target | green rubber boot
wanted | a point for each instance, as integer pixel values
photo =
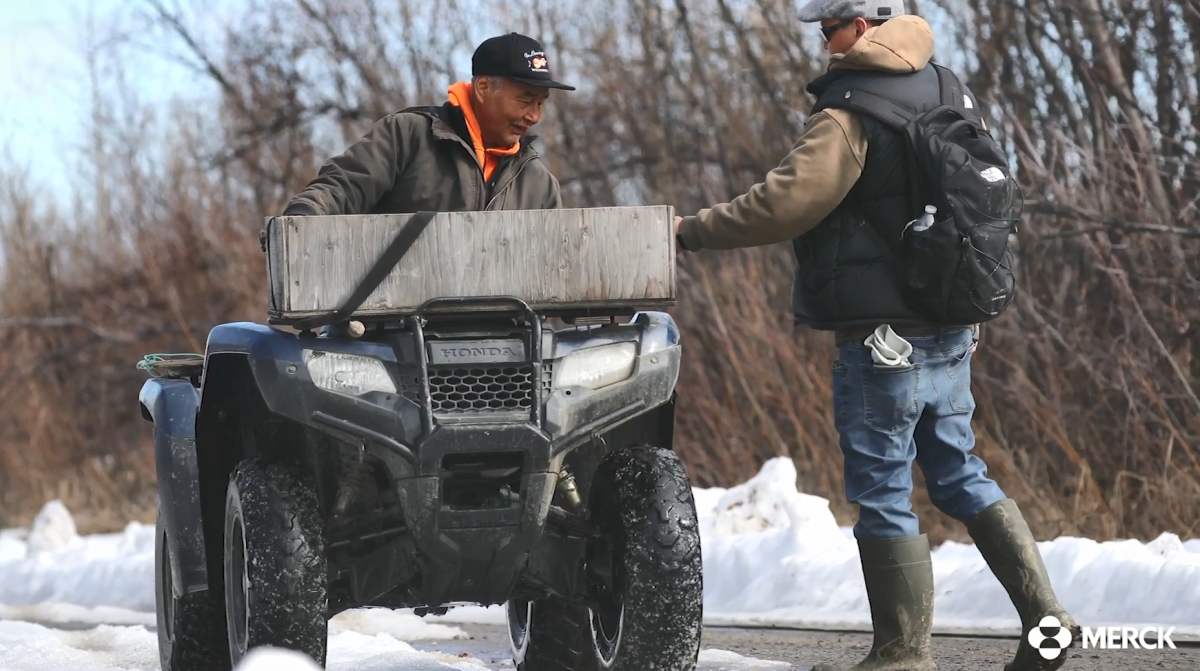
(1004, 540)
(899, 577)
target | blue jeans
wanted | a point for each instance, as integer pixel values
(888, 418)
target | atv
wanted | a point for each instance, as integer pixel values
(475, 452)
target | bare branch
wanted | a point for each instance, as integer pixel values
(66, 322)
(1107, 224)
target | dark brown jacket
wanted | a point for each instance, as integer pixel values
(421, 159)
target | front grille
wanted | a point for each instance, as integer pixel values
(547, 379)
(481, 390)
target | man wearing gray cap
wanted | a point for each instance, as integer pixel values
(844, 197)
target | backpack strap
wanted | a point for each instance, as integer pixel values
(951, 88)
(957, 96)
(950, 92)
(889, 113)
(846, 95)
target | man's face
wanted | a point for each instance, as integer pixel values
(506, 114)
(841, 34)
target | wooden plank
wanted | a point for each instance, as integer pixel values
(553, 259)
(276, 269)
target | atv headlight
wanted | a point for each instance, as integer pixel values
(348, 373)
(596, 367)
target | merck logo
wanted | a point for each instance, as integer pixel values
(1051, 639)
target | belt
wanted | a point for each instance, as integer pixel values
(860, 333)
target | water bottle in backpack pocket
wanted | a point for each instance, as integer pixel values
(925, 275)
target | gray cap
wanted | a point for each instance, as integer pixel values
(871, 10)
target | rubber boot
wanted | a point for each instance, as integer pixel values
(899, 577)
(1004, 540)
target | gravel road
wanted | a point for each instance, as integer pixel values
(803, 649)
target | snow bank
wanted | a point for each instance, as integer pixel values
(723, 660)
(401, 625)
(776, 557)
(67, 614)
(51, 563)
(27, 646)
(363, 654)
(773, 556)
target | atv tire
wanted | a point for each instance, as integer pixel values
(191, 628)
(275, 566)
(646, 571)
(549, 635)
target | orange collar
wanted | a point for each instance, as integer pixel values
(488, 158)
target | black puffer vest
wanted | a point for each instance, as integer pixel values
(846, 276)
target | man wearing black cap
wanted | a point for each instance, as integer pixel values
(472, 153)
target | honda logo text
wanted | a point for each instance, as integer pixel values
(477, 351)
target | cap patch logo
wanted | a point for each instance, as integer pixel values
(537, 61)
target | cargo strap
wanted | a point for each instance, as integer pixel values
(409, 232)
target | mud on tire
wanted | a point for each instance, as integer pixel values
(274, 559)
(646, 572)
(191, 628)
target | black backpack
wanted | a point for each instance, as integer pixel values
(960, 270)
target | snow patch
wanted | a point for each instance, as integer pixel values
(26, 646)
(471, 615)
(30, 647)
(53, 530)
(773, 556)
(767, 502)
(723, 660)
(401, 625)
(71, 615)
(12, 544)
(276, 659)
(50, 563)
(352, 651)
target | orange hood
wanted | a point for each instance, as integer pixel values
(460, 97)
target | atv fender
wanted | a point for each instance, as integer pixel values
(276, 363)
(171, 405)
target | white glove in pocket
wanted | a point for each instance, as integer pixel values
(888, 350)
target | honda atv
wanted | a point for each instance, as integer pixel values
(468, 454)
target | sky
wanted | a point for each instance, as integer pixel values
(44, 92)
(43, 89)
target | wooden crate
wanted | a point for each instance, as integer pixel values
(556, 260)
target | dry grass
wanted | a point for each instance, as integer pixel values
(1087, 389)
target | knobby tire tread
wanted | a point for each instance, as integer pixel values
(200, 642)
(645, 492)
(285, 557)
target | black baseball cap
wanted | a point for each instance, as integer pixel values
(516, 57)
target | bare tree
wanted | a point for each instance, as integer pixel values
(1088, 389)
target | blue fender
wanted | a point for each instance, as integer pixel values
(172, 405)
(254, 339)
(267, 343)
